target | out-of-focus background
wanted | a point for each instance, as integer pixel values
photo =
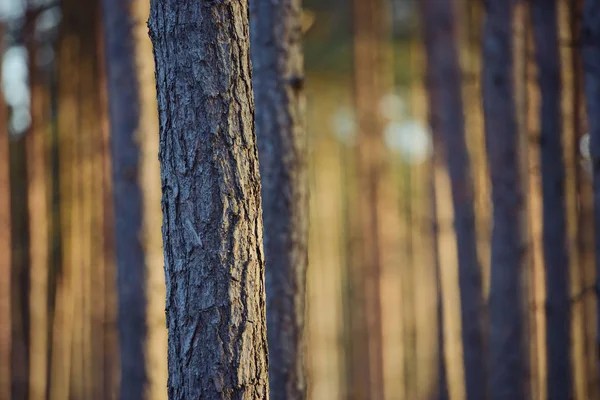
(58, 301)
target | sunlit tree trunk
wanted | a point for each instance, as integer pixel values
(507, 327)
(212, 231)
(278, 77)
(5, 246)
(444, 81)
(368, 90)
(558, 305)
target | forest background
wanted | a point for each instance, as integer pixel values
(383, 317)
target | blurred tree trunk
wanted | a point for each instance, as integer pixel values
(5, 245)
(507, 327)
(124, 106)
(78, 367)
(368, 91)
(20, 277)
(38, 226)
(107, 298)
(278, 79)
(446, 105)
(590, 47)
(584, 209)
(558, 304)
(441, 391)
(211, 202)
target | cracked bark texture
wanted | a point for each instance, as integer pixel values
(590, 48)
(446, 105)
(508, 362)
(212, 219)
(124, 105)
(278, 76)
(558, 303)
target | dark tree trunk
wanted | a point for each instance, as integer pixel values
(590, 47)
(212, 229)
(445, 103)
(558, 324)
(122, 82)
(508, 359)
(278, 75)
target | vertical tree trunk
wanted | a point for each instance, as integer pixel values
(441, 391)
(278, 76)
(558, 325)
(444, 81)
(212, 230)
(590, 47)
(368, 90)
(124, 105)
(507, 347)
(38, 228)
(5, 246)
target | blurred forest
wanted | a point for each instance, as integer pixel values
(422, 190)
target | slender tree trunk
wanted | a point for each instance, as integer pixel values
(368, 90)
(590, 47)
(5, 246)
(558, 325)
(444, 80)
(212, 230)
(38, 228)
(441, 392)
(507, 346)
(278, 77)
(124, 107)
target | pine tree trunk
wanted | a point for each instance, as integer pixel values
(369, 39)
(444, 81)
(590, 47)
(5, 246)
(212, 230)
(508, 359)
(558, 325)
(278, 76)
(124, 110)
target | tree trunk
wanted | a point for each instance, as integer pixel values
(507, 346)
(211, 204)
(278, 74)
(124, 109)
(444, 81)
(5, 246)
(368, 91)
(590, 47)
(558, 325)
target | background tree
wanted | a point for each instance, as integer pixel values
(211, 204)
(558, 303)
(508, 366)
(446, 105)
(124, 107)
(278, 79)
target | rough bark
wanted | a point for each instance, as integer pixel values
(558, 326)
(278, 77)
(212, 231)
(590, 48)
(368, 27)
(445, 101)
(124, 104)
(507, 347)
